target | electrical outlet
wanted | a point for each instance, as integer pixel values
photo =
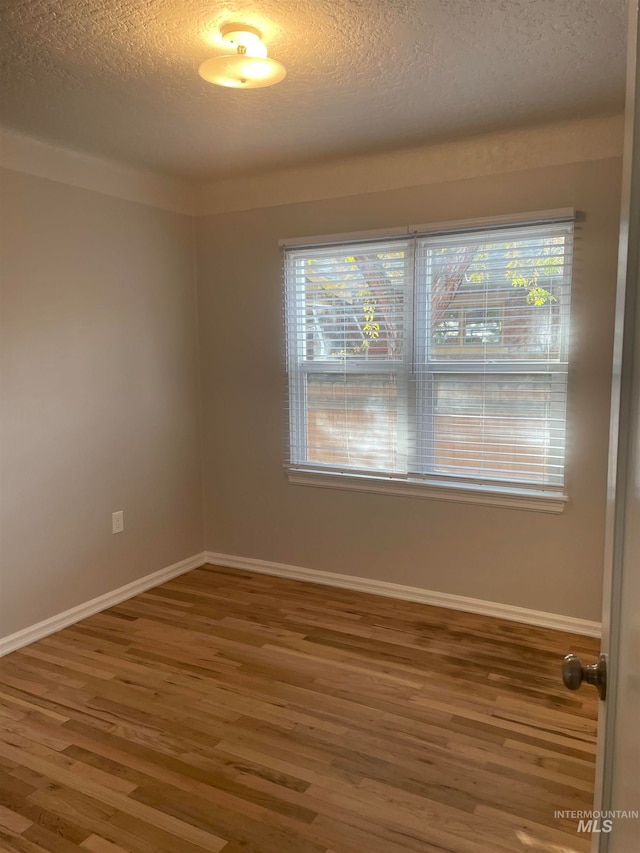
(117, 521)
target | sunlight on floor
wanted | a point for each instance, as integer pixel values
(538, 844)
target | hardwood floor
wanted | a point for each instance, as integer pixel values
(244, 713)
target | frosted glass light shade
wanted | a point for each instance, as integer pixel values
(240, 71)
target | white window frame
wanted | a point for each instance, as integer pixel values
(427, 485)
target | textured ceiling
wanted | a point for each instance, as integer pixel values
(118, 78)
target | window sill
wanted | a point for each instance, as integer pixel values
(524, 499)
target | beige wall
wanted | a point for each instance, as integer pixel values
(99, 397)
(522, 558)
(98, 357)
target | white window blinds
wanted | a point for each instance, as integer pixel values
(439, 357)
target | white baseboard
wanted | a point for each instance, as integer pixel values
(539, 618)
(68, 617)
(385, 588)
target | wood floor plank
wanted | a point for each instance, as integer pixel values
(96, 844)
(225, 711)
(13, 821)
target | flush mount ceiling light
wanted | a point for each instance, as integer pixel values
(249, 67)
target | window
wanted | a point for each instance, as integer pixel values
(432, 358)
